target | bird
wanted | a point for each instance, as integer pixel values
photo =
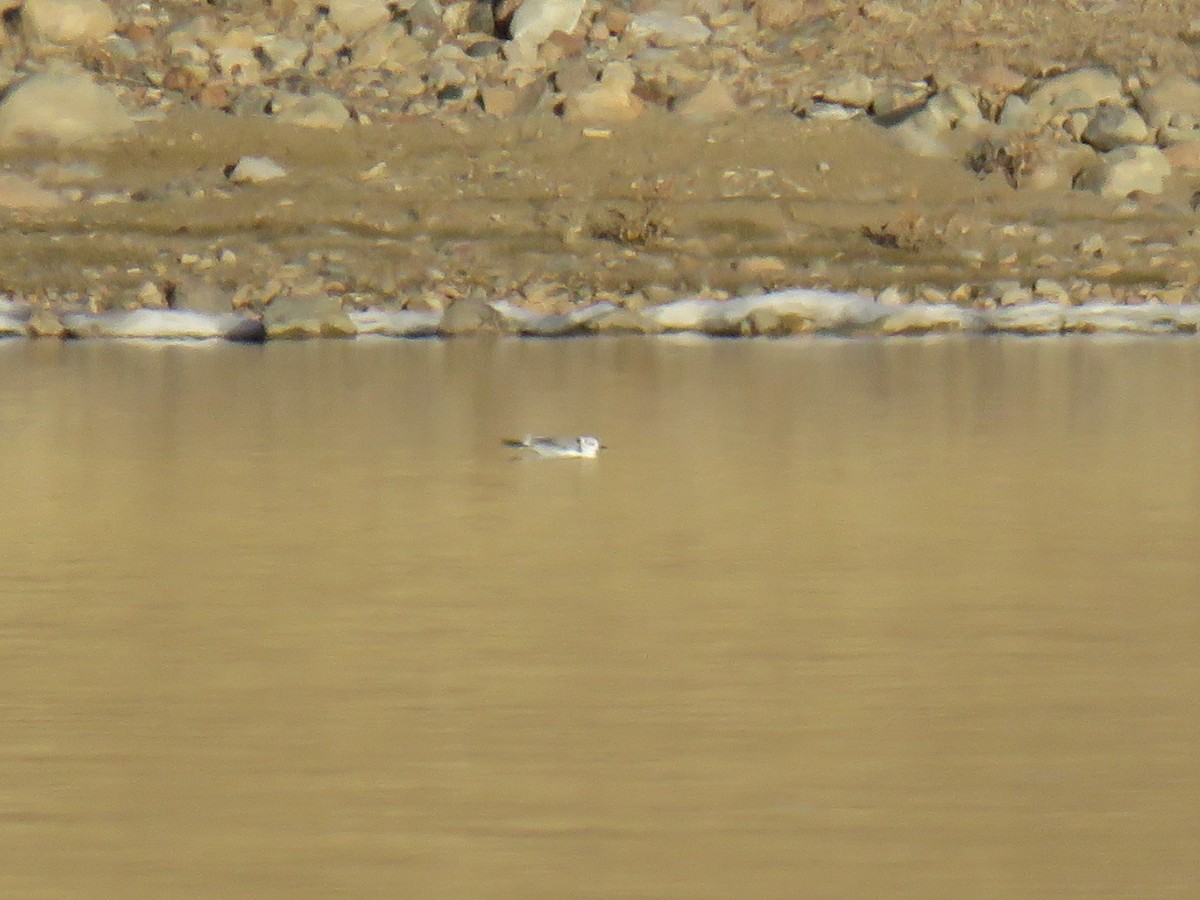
(585, 446)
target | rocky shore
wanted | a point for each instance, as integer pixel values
(297, 168)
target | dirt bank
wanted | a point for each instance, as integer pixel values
(420, 213)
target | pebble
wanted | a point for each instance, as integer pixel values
(712, 103)
(44, 322)
(255, 170)
(766, 323)
(1092, 245)
(1013, 294)
(282, 54)
(353, 17)
(1051, 290)
(535, 20)
(151, 295)
(760, 267)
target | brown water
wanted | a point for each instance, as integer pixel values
(829, 619)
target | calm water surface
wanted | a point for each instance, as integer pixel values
(829, 619)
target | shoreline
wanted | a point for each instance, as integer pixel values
(782, 314)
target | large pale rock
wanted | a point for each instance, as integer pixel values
(713, 103)
(1127, 169)
(1181, 128)
(307, 317)
(1112, 126)
(953, 107)
(894, 101)
(68, 22)
(1054, 166)
(1081, 89)
(1016, 116)
(925, 132)
(611, 100)
(1184, 157)
(390, 48)
(536, 20)
(64, 108)
(353, 17)
(469, 317)
(505, 101)
(996, 82)
(1173, 96)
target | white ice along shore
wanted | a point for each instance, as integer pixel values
(778, 314)
(805, 311)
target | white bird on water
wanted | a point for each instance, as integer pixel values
(586, 446)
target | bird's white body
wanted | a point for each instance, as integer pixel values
(583, 447)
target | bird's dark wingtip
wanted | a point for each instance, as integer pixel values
(512, 442)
